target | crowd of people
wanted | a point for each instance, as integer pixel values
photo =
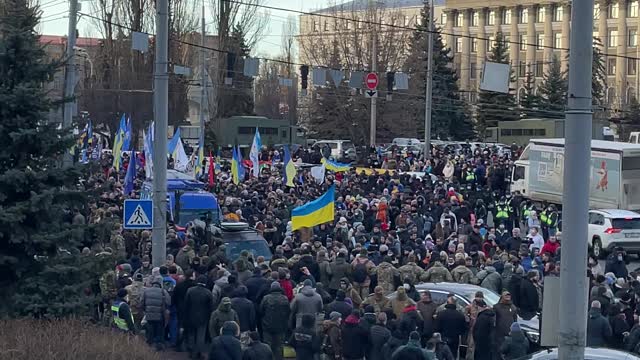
(347, 289)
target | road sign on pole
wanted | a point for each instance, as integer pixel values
(371, 93)
(138, 214)
(372, 81)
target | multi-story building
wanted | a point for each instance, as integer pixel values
(538, 30)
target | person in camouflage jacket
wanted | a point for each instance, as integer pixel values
(437, 273)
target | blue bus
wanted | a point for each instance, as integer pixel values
(187, 199)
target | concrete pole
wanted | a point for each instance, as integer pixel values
(160, 110)
(70, 75)
(573, 279)
(429, 86)
(374, 100)
(203, 89)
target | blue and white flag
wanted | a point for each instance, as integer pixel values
(255, 152)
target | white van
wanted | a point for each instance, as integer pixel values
(341, 150)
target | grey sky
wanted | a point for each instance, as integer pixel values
(55, 20)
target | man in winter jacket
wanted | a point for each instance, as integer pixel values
(306, 261)
(427, 309)
(437, 273)
(483, 332)
(257, 286)
(332, 336)
(413, 350)
(245, 309)
(461, 274)
(307, 301)
(401, 302)
(198, 305)
(274, 311)
(339, 305)
(506, 314)
(516, 345)
(304, 339)
(451, 324)
(379, 302)
(226, 346)
(155, 302)
(379, 334)
(355, 338)
(598, 328)
(388, 276)
(361, 269)
(350, 292)
(219, 317)
(340, 269)
(528, 297)
(257, 350)
(490, 279)
(411, 270)
(616, 264)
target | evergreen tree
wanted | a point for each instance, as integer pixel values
(530, 101)
(599, 73)
(450, 117)
(553, 91)
(39, 277)
(493, 106)
(237, 99)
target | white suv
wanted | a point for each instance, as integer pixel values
(609, 228)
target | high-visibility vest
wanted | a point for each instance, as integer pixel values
(502, 212)
(543, 217)
(552, 220)
(120, 323)
(470, 176)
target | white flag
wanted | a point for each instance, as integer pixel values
(318, 173)
(255, 152)
(180, 157)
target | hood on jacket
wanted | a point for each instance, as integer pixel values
(222, 281)
(384, 265)
(240, 292)
(352, 320)
(490, 269)
(402, 294)
(225, 305)
(307, 291)
(594, 313)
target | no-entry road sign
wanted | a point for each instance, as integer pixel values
(372, 81)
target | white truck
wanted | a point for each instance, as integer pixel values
(615, 173)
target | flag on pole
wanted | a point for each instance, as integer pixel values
(234, 167)
(316, 212)
(317, 172)
(171, 146)
(130, 178)
(241, 172)
(180, 158)
(197, 168)
(212, 171)
(126, 143)
(148, 151)
(255, 152)
(118, 143)
(289, 168)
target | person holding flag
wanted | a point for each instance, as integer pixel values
(289, 168)
(254, 155)
(234, 167)
(130, 177)
(118, 144)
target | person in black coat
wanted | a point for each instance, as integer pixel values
(378, 336)
(451, 324)
(528, 296)
(306, 261)
(355, 338)
(257, 285)
(227, 346)
(339, 305)
(395, 341)
(484, 332)
(257, 350)
(198, 305)
(515, 283)
(305, 340)
(616, 264)
(178, 298)
(245, 309)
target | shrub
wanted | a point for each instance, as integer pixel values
(29, 339)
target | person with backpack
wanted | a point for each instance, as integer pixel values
(362, 267)
(332, 336)
(304, 339)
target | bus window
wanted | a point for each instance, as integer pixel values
(518, 173)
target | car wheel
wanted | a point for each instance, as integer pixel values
(596, 248)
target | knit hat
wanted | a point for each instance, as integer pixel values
(307, 283)
(276, 286)
(122, 293)
(515, 327)
(335, 315)
(226, 300)
(139, 277)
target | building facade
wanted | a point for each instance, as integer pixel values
(538, 30)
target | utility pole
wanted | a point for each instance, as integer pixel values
(573, 280)
(70, 75)
(160, 110)
(374, 100)
(429, 87)
(203, 88)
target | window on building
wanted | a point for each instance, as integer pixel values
(557, 40)
(522, 69)
(524, 16)
(540, 41)
(473, 72)
(522, 40)
(475, 19)
(326, 25)
(596, 11)
(443, 18)
(633, 37)
(611, 66)
(539, 68)
(613, 11)
(474, 45)
(458, 44)
(316, 25)
(459, 19)
(632, 8)
(347, 24)
(492, 17)
(541, 14)
(558, 13)
(506, 17)
(632, 66)
(612, 38)
(492, 42)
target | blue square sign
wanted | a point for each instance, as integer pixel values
(138, 214)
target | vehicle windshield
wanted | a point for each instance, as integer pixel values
(256, 247)
(192, 214)
(626, 224)
(490, 297)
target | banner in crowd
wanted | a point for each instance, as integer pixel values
(316, 212)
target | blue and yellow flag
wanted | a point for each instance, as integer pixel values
(234, 167)
(240, 161)
(197, 168)
(289, 169)
(319, 211)
(118, 143)
(335, 166)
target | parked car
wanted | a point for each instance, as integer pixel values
(341, 150)
(589, 354)
(239, 236)
(464, 295)
(609, 228)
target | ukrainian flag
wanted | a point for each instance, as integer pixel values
(289, 168)
(335, 166)
(198, 170)
(234, 167)
(118, 143)
(319, 211)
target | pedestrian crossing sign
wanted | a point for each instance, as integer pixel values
(138, 214)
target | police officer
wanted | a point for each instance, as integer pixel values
(121, 313)
(525, 210)
(502, 212)
(549, 221)
(469, 175)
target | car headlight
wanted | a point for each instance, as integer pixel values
(533, 336)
